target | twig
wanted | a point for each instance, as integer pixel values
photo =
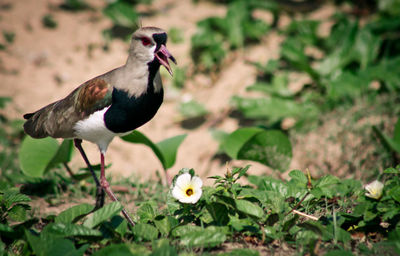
(299, 203)
(305, 215)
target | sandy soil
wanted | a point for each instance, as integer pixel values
(44, 65)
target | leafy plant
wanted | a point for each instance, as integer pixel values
(9, 36)
(354, 58)
(179, 79)
(215, 35)
(13, 206)
(49, 22)
(192, 109)
(124, 18)
(175, 35)
(269, 147)
(37, 156)
(165, 150)
(392, 144)
(75, 5)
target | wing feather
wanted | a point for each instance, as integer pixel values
(59, 118)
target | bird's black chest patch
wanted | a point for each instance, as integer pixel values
(128, 113)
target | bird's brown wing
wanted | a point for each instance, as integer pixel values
(59, 118)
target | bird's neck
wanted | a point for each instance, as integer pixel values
(135, 78)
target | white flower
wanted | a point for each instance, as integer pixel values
(374, 189)
(187, 189)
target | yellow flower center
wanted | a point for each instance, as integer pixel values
(189, 191)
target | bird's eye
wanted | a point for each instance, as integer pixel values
(145, 41)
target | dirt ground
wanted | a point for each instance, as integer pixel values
(44, 65)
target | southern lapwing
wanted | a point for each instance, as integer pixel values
(109, 105)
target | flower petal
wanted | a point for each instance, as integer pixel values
(183, 180)
(178, 193)
(197, 182)
(374, 189)
(196, 196)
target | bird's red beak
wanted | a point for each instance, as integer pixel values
(163, 55)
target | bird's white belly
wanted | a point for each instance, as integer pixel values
(93, 129)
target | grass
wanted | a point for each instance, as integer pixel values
(260, 214)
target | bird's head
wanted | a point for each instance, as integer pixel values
(148, 46)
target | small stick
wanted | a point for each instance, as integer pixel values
(305, 215)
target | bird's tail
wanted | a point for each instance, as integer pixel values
(33, 126)
(38, 124)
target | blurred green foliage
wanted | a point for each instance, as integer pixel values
(215, 36)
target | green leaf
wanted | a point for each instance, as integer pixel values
(278, 87)
(9, 36)
(73, 213)
(339, 253)
(236, 15)
(179, 79)
(305, 31)
(185, 230)
(169, 148)
(273, 108)
(4, 101)
(115, 249)
(103, 214)
(391, 7)
(395, 193)
(147, 212)
(176, 35)
(75, 5)
(269, 147)
(36, 154)
(326, 186)
(249, 208)
(163, 248)
(388, 142)
(64, 153)
(366, 47)
(48, 21)
(387, 70)
(13, 196)
(18, 212)
(122, 14)
(396, 133)
(347, 85)
(69, 230)
(219, 213)
(140, 138)
(298, 176)
(165, 150)
(145, 231)
(344, 40)
(234, 142)
(192, 109)
(5, 229)
(392, 170)
(293, 51)
(208, 237)
(165, 224)
(51, 245)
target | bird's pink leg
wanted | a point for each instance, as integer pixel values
(106, 186)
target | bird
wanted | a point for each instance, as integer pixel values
(109, 105)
